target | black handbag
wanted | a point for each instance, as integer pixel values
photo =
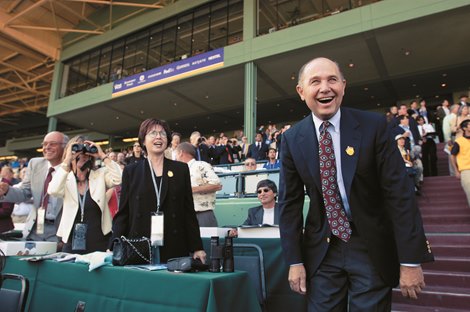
(186, 264)
(132, 251)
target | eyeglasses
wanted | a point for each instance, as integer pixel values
(153, 134)
(136, 145)
(250, 164)
(265, 190)
(51, 144)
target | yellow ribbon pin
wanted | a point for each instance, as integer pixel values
(170, 173)
(350, 150)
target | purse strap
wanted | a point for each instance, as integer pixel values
(130, 241)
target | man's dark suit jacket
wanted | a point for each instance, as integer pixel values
(255, 215)
(381, 197)
(413, 127)
(260, 154)
(138, 201)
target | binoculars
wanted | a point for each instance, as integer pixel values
(221, 255)
(85, 148)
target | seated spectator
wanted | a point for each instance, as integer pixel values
(249, 164)
(268, 211)
(272, 163)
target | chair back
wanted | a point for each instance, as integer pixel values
(252, 262)
(14, 300)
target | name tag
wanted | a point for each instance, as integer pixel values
(157, 225)
(40, 220)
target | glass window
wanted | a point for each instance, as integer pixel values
(184, 36)
(155, 47)
(235, 21)
(93, 69)
(219, 25)
(168, 42)
(104, 66)
(201, 30)
(72, 86)
(83, 73)
(117, 60)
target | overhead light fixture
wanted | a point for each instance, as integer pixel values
(444, 85)
(102, 142)
(128, 140)
(366, 89)
(351, 65)
(407, 52)
(117, 117)
(292, 76)
(444, 75)
(413, 85)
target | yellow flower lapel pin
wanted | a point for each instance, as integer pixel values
(350, 150)
(170, 173)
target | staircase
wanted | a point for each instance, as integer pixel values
(446, 218)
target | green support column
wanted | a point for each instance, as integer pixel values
(250, 100)
(52, 124)
(249, 19)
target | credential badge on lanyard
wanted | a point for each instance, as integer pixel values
(157, 224)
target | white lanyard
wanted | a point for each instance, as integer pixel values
(157, 189)
(81, 201)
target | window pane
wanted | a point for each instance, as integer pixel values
(184, 36)
(168, 46)
(83, 73)
(155, 41)
(201, 30)
(235, 21)
(105, 64)
(116, 60)
(219, 31)
(93, 69)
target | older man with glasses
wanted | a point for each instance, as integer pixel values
(42, 221)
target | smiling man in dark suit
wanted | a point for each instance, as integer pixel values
(363, 232)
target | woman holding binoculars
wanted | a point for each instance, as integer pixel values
(86, 221)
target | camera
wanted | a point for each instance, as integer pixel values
(84, 148)
(222, 254)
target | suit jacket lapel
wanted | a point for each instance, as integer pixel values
(308, 144)
(259, 215)
(350, 145)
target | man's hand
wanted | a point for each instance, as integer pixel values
(411, 281)
(3, 188)
(297, 279)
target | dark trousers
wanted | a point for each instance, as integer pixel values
(429, 158)
(347, 281)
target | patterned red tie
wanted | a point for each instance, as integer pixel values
(335, 213)
(45, 200)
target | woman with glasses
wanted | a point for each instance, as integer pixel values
(157, 187)
(86, 222)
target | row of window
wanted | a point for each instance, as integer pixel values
(211, 26)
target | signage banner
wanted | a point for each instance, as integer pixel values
(164, 74)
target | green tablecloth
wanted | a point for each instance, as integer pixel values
(59, 286)
(280, 297)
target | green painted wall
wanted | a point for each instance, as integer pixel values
(380, 14)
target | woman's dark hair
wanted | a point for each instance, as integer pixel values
(148, 124)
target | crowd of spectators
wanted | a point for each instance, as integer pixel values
(415, 128)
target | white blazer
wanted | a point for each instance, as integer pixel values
(64, 185)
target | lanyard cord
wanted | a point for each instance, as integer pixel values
(157, 188)
(81, 201)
